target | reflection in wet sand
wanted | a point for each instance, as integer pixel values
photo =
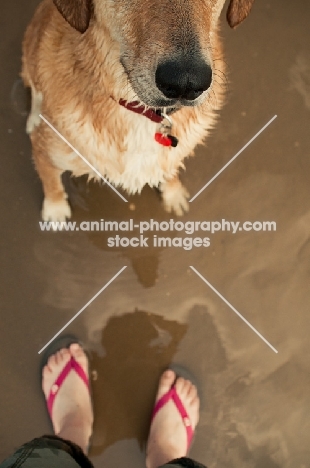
(138, 346)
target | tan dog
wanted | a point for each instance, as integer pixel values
(94, 65)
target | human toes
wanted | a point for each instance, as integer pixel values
(58, 359)
(165, 383)
(183, 387)
(79, 355)
(187, 392)
(51, 370)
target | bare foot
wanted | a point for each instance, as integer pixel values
(72, 414)
(168, 437)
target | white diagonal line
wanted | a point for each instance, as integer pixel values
(235, 310)
(83, 308)
(232, 159)
(82, 157)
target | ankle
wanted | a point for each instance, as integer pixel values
(158, 456)
(77, 437)
(77, 432)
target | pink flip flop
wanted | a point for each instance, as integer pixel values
(172, 395)
(71, 365)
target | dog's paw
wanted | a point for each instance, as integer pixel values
(55, 211)
(33, 121)
(175, 198)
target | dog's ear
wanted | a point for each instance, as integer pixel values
(237, 11)
(76, 12)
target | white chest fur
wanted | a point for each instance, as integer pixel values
(129, 156)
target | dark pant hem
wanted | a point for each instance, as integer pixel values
(71, 448)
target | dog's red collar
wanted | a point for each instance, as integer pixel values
(162, 136)
(134, 106)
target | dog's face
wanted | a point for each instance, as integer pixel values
(167, 47)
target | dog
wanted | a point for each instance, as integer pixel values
(132, 85)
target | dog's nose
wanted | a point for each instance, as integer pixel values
(183, 80)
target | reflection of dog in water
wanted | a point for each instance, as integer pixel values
(131, 85)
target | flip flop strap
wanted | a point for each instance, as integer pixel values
(71, 365)
(172, 395)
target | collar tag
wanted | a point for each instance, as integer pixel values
(163, 134)
(164, 122)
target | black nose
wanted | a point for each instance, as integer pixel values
(184, 79)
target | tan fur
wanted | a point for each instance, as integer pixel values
(79, 78)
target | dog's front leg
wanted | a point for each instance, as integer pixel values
(174, 196)
(55, 204)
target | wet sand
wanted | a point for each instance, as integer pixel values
(255, 403)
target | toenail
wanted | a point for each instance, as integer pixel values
(54, 389)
